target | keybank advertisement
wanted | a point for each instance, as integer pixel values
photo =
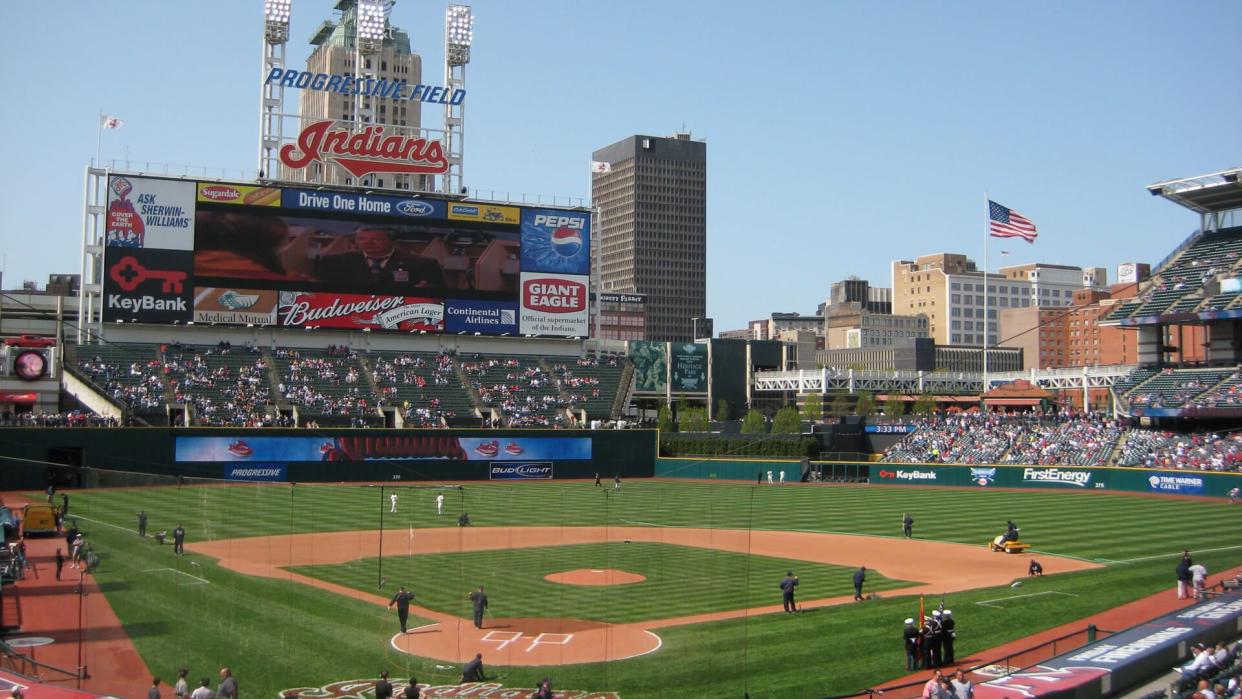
(142, 285)
(556, 241)
(254, 450)
(527, 449)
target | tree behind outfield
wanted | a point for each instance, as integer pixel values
(694, 420)
(865, 405)
(894, 406)
(924, 405)
(665, 419)
(787, 421)
(722, 410)
(813, 407)
(754, 423)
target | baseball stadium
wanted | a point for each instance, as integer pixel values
(342, 429)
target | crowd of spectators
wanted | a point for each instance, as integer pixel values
(327, 385)
(234, 394)
(1203, 452)
(139, 388)
(73, 418)
(961, 438)
(525, 395)
(1074, 439)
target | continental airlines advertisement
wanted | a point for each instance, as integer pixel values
(245, 254)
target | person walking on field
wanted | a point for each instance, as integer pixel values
(907, 525)
(227, 689)
(142, 523)
(60, 563)
(782, 475)
(860, 577)
(393, 499)
(478, 598)
(616, 482)
(787, 592)
(402, 599)
(769, 477)
(179, 540)
(440, 504)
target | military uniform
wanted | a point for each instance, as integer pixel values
(911, 637)
(947, 625)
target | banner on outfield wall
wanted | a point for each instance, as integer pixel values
(1131, 480)
(265, 450)
(256, 472)
(527, 471)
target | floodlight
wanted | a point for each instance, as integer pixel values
(277, 10)
(459, 22)
(372, 20)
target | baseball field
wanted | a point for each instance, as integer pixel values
(663, 588)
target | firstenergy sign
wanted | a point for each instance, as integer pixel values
(1056, 476)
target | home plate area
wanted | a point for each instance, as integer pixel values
(529, 641)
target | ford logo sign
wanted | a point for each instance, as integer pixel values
(414, 207)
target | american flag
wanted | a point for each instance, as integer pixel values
(1007, 223)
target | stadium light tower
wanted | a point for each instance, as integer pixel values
(458, 36)
(272, 96)
(370, 30)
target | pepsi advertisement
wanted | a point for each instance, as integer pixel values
(556, 241)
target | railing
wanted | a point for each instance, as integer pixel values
(999, 666)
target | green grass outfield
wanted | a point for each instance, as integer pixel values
(278, 634)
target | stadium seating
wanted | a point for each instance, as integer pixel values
(330, 386)
(1172, 389)
(131, 375)
(1180, 286)
(1076, 440)
(520, 389)
(424, 385)
(223, 386)
(1205, 452)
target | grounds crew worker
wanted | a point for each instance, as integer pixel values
(479, 599)
(947, 625)
(911, 636)
(787, 592)
(907, 525)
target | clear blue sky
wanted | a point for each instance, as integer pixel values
(841, 135)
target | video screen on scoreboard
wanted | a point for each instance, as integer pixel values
(224, 253)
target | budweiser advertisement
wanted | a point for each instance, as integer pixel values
(235, 306)
(554, 304)
(358, 312)
(365, 152)
(150, 213)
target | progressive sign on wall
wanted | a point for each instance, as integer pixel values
(554, 304)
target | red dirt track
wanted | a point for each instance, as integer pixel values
(938, 566)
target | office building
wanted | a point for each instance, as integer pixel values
(651, 237)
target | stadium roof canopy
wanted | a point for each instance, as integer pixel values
(1204, 194)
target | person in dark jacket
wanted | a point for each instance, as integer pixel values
(947, 636)
(787, 592)
(383, 688)
(473, 671)
(478, 599)
(1184, 576)
(907, 525)
(402, 599)
(860, 577)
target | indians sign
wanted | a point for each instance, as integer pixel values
(364, 152)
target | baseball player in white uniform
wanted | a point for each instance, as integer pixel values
(440, 504)
(393, 499)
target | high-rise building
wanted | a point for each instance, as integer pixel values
(950, 290)
(334, 54)
(651, 235)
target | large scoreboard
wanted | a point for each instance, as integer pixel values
(178, 251)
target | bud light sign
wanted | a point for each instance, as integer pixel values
(530, 470)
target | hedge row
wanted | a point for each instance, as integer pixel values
(787, 445)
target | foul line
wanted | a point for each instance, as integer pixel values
(1171, 555)
(99, 521)
(201, 581)
(988, 602)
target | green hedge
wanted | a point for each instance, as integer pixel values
(753, 445)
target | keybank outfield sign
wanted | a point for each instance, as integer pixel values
(1134, 480)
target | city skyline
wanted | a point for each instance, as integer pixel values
(1065, 120)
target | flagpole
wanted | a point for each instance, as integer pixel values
(986, 320)
(98, 136)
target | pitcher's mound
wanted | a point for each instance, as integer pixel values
(595, 577)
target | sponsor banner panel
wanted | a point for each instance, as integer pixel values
(243, 194)
(261, 450)
(556, 241)
(1175, 483)
(366, 204)
(487, 213)
(1053, 476)
(356, 311)
(896, 473)
(523, 471)
(554, 304)
(256, 472)
(487, 317)
(689, 367)
(147, 213)
(235, 306)
(527, 448)
(148, 286)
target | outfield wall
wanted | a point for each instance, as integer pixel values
(726, 469)
(324, 455)
(1110, 478)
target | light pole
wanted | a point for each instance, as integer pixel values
(272, 94)
(370, 30)
(458, 36)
